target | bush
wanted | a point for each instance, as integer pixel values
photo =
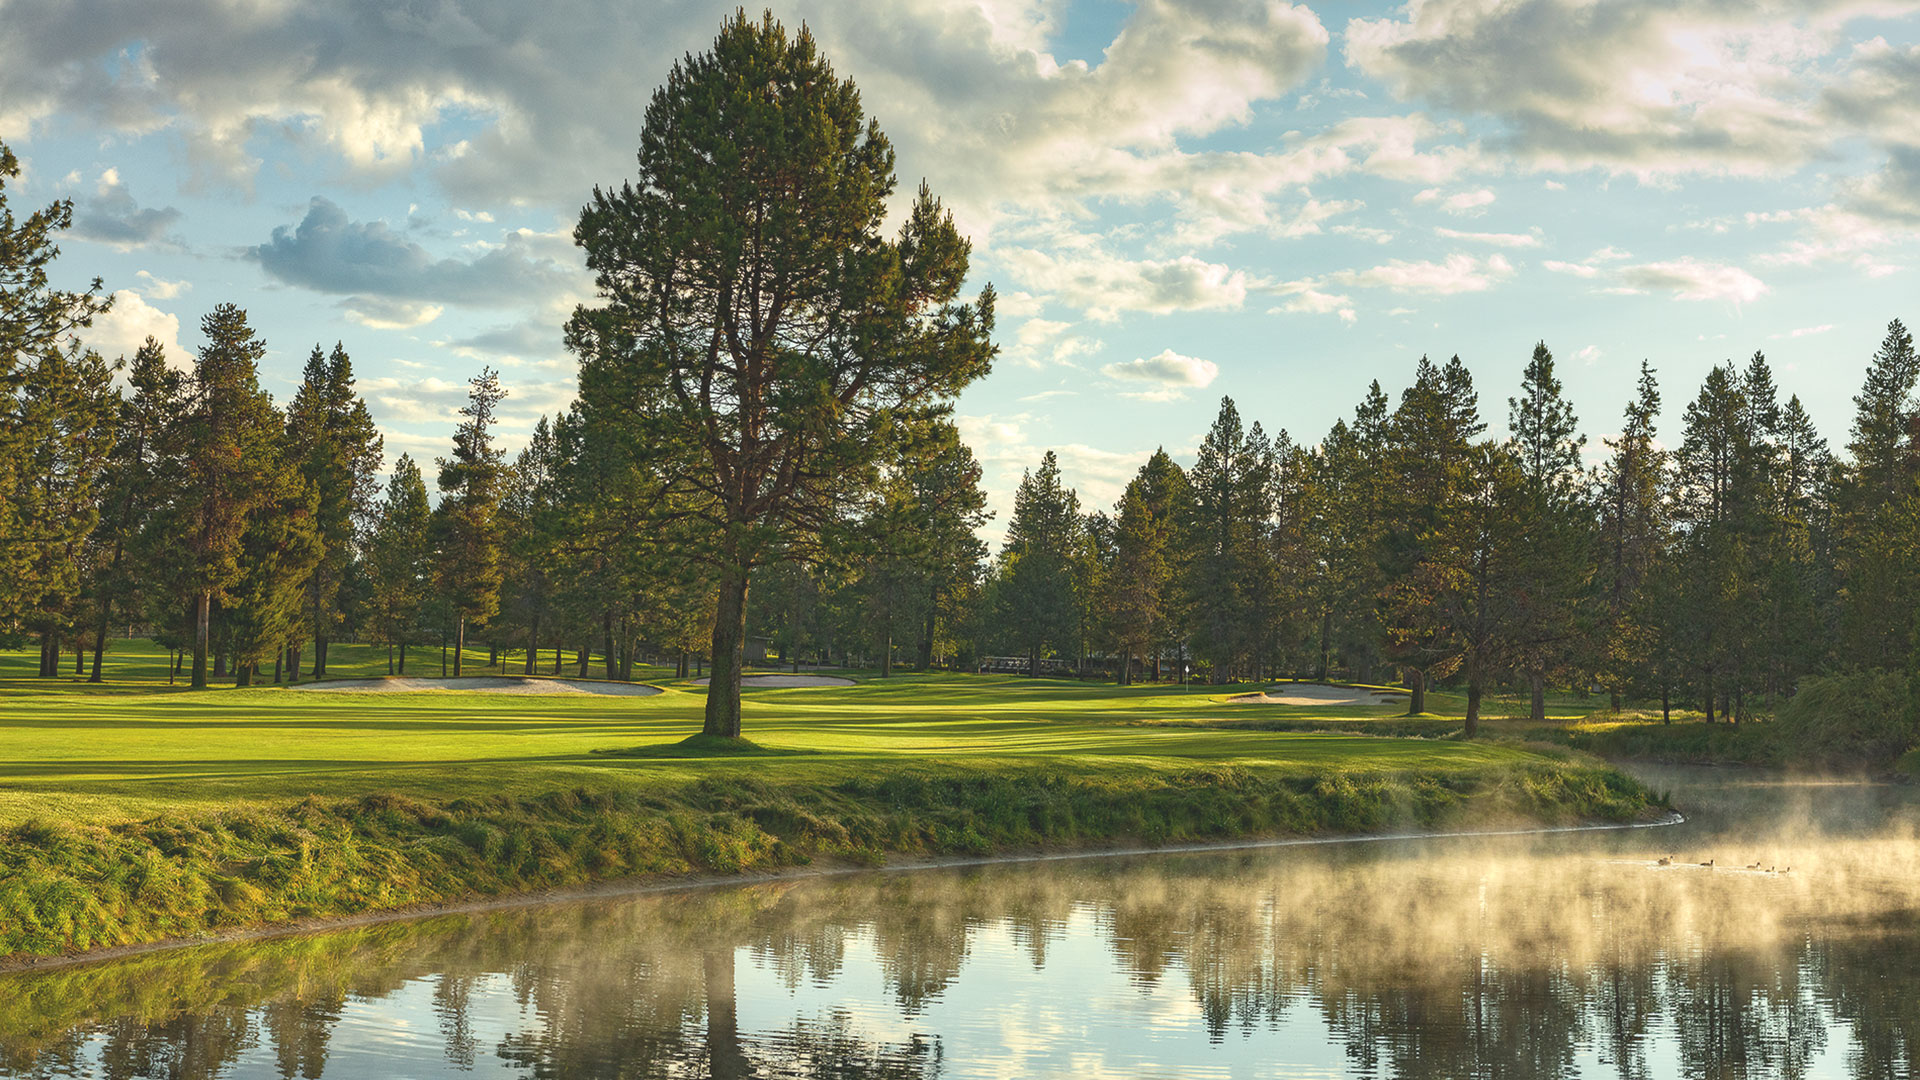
(1851, 721)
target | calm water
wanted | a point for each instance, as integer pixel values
(1570, 955)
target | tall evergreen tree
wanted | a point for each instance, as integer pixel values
(467, 526)
(1040, 571)
(1877, 499)
(771, 341)
(219, 456)
(36, 325)
(132, 487)
(400, 560)
(333, 444)
(1546, 620)
(1429, 456)
(1633, 538)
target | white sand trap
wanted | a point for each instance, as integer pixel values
(1311, 694)
(788, 681)
(480, 684)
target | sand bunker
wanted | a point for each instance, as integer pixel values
(480, 684)
(790, 681)
(1310, 694)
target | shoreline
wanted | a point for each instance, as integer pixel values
(646, 885)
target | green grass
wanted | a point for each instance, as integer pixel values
(133, 812)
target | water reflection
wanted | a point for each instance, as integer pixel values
(1564, 956)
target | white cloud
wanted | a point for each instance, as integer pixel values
(160, 288)
(1167, 367)
(1692, 279)
(1589, 354)
(1576, 269)
(1457, 274)
(381, 313)
(1104, 284)
(1512, 240)
(127, 325)
(1460, 202)
(1804, 331)
(1631, 87)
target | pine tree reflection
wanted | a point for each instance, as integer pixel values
(1419, 961)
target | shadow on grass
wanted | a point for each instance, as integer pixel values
(704, 746)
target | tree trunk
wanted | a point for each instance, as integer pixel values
(1033, 662)
(533, 645)
(726, 1058)
(1666, 704)
(79, 659)
(926, 643)
(99, 644)
(585, 659)
(459, 644)
(1474, 692)
(243, 673)
(606, 639)
(558, 658)
(403, 656)
(202, 617)
(1126, 666)
(493, 654)
(886, 657)
(320, 654)
(1613, 699)
(279, 664)
(389, 657)
(1416, 681)
(293, 662)
(729, 643)
(626, 651)
(443, 654)
(1326, 645)
(1709, 697)
(1538, 683)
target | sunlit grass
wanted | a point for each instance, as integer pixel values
(84, 752)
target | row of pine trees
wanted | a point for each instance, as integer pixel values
(1714, 568)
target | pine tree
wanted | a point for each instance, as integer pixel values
(219, 456)
(772, 343)
(131, 487)
(1036, 595)
(1876, 499)
(332, 442)
(41, 375)
(1633, 539)
(1229, 570)
(467, 527)
(1429, 457)
(400, 560)
(1545, 623)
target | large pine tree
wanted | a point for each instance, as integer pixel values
(770, 342)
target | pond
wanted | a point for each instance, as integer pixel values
(1566, 955)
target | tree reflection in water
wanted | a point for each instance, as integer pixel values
(1413, 960)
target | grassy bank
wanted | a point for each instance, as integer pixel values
(130, 814)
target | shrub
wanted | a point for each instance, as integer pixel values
(1859, 720)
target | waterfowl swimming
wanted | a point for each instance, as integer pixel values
(1665, 860)
(1708, 864)
(1753, 866)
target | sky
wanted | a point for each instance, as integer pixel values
(1176, 201)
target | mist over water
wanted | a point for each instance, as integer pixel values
(1572, 955)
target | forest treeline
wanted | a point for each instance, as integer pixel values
(1713, 567)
